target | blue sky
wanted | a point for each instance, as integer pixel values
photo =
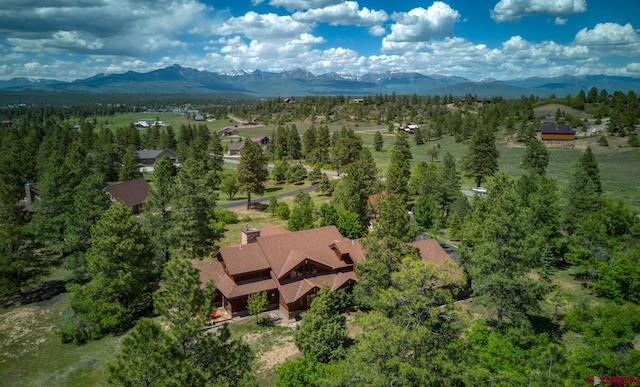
(501, 39)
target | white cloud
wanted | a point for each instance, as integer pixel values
(346, 13)
(560, 21)
(420, 25)
(300, 5)
(117, 27)
(261, 26)
(608, 34)
(377, 30)
(514, 10)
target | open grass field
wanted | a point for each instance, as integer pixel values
(32, 355)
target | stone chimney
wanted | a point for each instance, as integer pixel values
(249, 235)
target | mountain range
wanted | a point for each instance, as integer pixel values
(298, 82)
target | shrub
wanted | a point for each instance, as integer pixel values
(225, 216)
(602, 141)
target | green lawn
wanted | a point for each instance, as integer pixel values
(32, 355)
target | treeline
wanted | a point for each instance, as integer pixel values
(512, 242)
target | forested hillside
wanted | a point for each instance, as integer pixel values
(552, 249)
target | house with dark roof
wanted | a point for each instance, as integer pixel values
(132, 193)
(555, 132)
(291, 267)
(227, 131)
(234, 148)
(152, 156)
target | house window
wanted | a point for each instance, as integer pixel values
(304, 269)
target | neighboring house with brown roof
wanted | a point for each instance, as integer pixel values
(289, 266)
(432, 252)
(234, 148)
(132, 193)
(292, 266)
(227, 131)
(152, 156)
(555, 132)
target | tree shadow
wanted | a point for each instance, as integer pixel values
(273, 189)
(544, 324)
(46, 291)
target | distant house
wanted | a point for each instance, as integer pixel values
(262, 140)
(292, 266)
(141, 124)
(357, 100)
(29, 196)
(555, 132)
(152, 156)
(234, 148)
(132, 193)
(227, 131)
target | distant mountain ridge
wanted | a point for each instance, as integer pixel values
(296, 82)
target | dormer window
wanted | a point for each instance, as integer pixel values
(303, 270)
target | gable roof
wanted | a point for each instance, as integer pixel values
(236, 262)
(556, 129)
(131, 193)
(235, 145)
(431, 251)
(286, 251)
(153, 153)
(213, 270)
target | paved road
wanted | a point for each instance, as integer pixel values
(329, 172)
(264, 199)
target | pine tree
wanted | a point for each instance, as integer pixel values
(501, 250)
(400, 167)
(588, 163)
(195, 230)
(322, 332)
(536, 157)
(324, 185)
(393, 219)
(122, 275)
(378, 142)
(482, 159)
(252, 170)
(301, 217)
(158, 212)
(129, 169)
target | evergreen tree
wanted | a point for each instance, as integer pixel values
(293, 143)
(309, 143)
(588, 163)
(424, 212)
(322, 332)
(89, 203)
(195, 228)
(315, 174)
(378, 142)
(450, 188)
(18, 259)
(400, 167)
(393, 220)
(536, 157)
(129, 169)
(252, 170)
(322, 144)
(194, 356)
(148, 357)
(158, 212)
(482, 159)
(501, 251)
(122, 275)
